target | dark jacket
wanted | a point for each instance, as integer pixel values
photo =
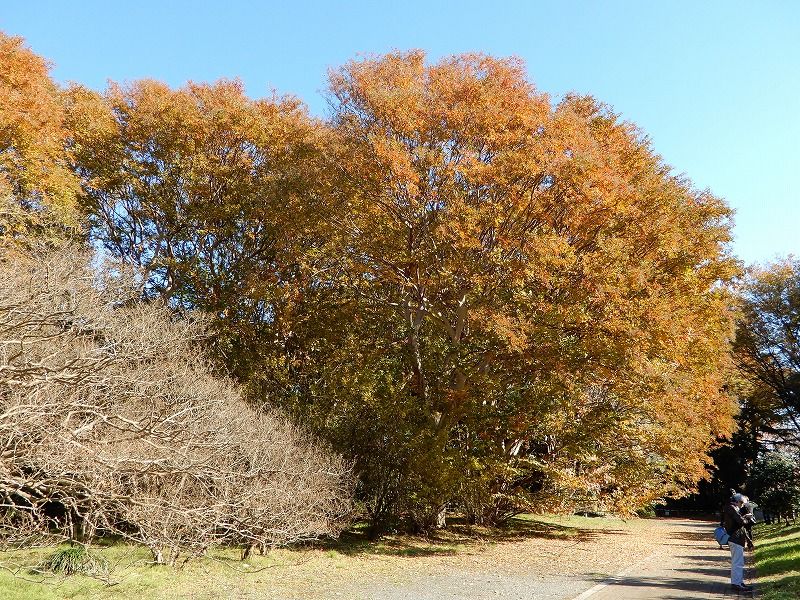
(734, 524)
(749, 520)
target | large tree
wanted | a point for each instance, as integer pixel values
(487, 300)
(550, 290)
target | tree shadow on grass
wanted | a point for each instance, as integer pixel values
(785, 588)
(530, 526)
(770, 551)
(778, 558)
(781, 530)
(459, 536)
(777, 566)
(521, 528)
(355, 542)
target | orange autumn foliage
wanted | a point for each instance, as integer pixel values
(206, 191)
(37, 188)
(560, 287)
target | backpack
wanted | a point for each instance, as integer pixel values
(721, 535)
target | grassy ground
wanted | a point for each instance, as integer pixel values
(778, 561)
(312, 571)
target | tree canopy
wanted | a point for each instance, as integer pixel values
(554, 291)
(37, 188)
(768, 347)
(208, 193)
(489, 301)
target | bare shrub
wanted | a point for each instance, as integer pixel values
(111, 422)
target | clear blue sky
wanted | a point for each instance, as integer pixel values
(715, 84)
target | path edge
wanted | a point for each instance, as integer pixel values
(613, 578)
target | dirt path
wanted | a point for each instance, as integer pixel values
(659, 559)
(688, 566)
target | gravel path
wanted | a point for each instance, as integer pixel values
(485, 586)
(534, 559)
(661, 559)
(690, 565)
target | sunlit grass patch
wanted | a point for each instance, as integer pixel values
(778, 561)
(575, 523)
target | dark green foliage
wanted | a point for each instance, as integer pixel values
(774, 482)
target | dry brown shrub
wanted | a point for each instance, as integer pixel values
(111, 422)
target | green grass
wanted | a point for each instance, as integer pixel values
(575, 522)
(131, 575)
(75, 560)
(778, 561)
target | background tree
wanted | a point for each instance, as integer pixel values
(768, 346)
(766, 354)
(208, 193)
(774, 483)
(37, 188)
(733, 458)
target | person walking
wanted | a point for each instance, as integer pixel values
(734, 524)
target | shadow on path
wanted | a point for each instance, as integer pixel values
(459, 535)
(677, 588)
(687, 566)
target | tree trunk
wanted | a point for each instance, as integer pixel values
(441, 518)
(247, 551)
